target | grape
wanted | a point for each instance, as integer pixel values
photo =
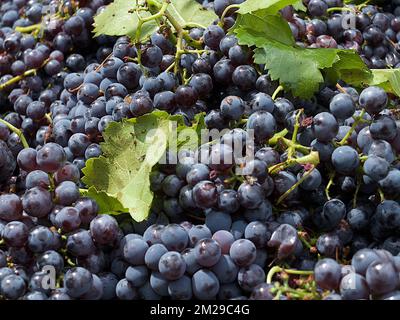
(207, 252)
(213, 36)
(381, 277)
(224, 239)
(12, 286)
(15, 234)
(205, 194)
(205, 284)
(216, 220)
(171, 265)
(376, 168)
(159, 284)
(250, 195)
(257, 233)
(134, 251)
(225, 270)
(345, 159)
(68, 219)
(223, 71)
(175, 237)
(40, 239)
(51, 157)
(197, 173)
(66, 193)
(10, 207)
(77, 281)
(197, 233)
(126, 291)
(153, 233)
(325, 127)
(250, 276)
(104, 229)
(342, 106)
(263, 124)
(243, 252)
(153, 255)
(232, 107)
(328, 244)
(383, 127)
(80, 243)
(285, 238)
(180, 289)
(151, 56)
(327, 274)
(373, 99)
(137, 275)
(354, 287)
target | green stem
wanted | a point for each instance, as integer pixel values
(292, 188)
(232, 6)
(328, 186)
(353, 127)
(294, 135)
(277, 269)
(272, 272)
(48, 117)
(312, 158)
(281, 134)
(17, 131)
(157, 15)
(17, 78)
(83, 191)
(277, 90)
(381, 194)
(339, 9)
(28, 29)
(179, 51)
(170, 67)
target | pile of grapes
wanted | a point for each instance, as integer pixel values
(307, 208)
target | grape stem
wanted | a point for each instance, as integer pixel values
(328, 186)
(340, 88)
(17, 131)
(28, 29)
(339, 9)
(311, 158)
(294, 135)
(293, 187)
(278, 269)
(27, 73)
(225, 12)
(353, 127)
(277, 90)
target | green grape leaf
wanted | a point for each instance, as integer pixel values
(388, 79)
(190, 12)
(349, 68)
(119, 18)
(256, 28)
(297, 69)
(107, 204)
(299, 6)
(120, 178)
(271, 6)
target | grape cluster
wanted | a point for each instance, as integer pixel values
(314, 182)
(370, 32)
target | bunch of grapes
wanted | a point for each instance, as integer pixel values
(308, 184)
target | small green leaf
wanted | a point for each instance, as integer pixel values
(271, 6)
(388, 79)
(297, 69)
(119, 18)
(256, 28)
(189, 12)
(120, 178)
(349, 68)
(299, 6)
(107, 204)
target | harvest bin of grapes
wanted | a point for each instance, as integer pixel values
(199, 150)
